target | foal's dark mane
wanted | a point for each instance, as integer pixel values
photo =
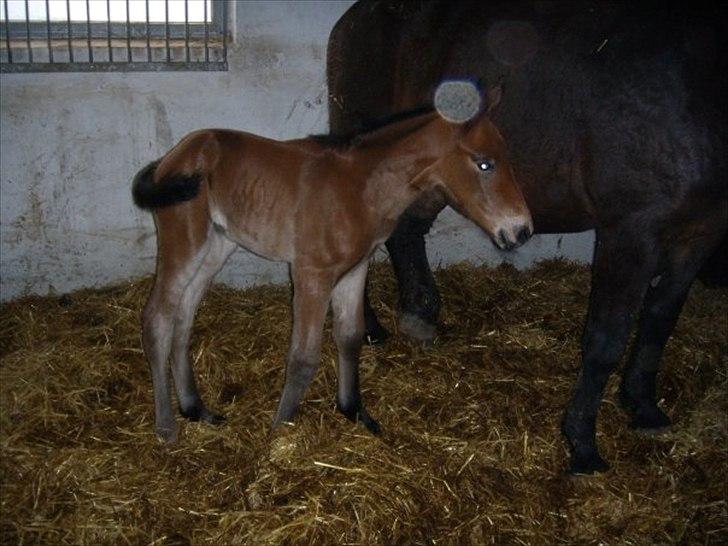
(390, 127)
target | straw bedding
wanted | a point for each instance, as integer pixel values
(470, 452)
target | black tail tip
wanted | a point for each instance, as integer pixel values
(172, 189)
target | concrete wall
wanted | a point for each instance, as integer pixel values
(69, 144)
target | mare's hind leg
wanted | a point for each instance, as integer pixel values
(178, 262)
(311, 294)
(190, 403)
(624, 263)
(662, 306)
(347, 304)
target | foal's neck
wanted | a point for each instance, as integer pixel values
(398, 163)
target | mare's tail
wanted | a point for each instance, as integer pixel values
(172, 189)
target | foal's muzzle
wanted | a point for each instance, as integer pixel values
(508, 239)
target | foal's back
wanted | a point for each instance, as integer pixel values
(266, 194)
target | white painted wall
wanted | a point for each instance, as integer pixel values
(70, 143)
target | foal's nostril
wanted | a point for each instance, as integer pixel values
(500, 238)
(503, 241)
(523, 235)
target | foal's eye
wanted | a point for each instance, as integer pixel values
(485, 165)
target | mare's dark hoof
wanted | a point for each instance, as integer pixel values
(653, 421)
(362, 416)
(417, 328)
(202, 414)
(587, 463)
(376, 335)
(646, 417)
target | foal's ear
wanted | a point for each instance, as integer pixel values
(493, 97)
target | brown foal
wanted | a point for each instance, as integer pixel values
(322, 209)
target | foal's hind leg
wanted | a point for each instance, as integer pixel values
(660, 313)
(178, 262)
(311, 295)
(347, 304)
(190, 403)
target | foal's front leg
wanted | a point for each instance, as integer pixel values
(348, 307)
(311, 295)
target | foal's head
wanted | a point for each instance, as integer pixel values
(479, 182)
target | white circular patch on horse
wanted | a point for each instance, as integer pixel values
(457, 101)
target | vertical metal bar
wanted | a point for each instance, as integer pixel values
(224, 30)
(48, 32)
(207, 35)
(128, 34)
(166, 27)
(149, 48)
(7, 32)
(88, 33)
(70, 35)
(108, 31)
(27, 30)
(187, 34)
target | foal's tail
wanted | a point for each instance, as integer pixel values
(172, 189)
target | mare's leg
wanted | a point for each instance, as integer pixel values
(182, 247)
(662, 306)
(311, 294)
(190, 403)
(714, 271)
(624, 263)
(418, 297)
(347, 304)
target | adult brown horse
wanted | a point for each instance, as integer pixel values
(321, 208)
(616, 113)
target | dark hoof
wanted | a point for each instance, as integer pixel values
(369, 422)
(653, 421)
(376, 335)
(417, 328)
(587, 463)
(168, 434)
(213, 418)
(362, 416)
(202, 414)
(646, 416)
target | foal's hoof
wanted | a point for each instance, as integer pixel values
(416, 328)
(168, 434)
(369, 422)
(376, 335)
(587, 463)
(202, 414)
(213, 418)
(362, 416)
